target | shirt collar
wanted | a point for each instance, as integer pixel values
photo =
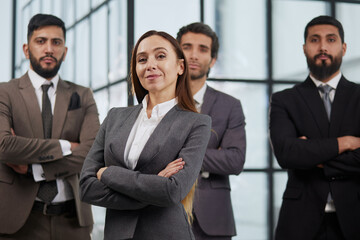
(332, 83)
(199, 96)
(37, 80)
(160, 109)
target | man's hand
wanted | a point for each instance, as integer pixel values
(73, 145)
(100, 172)
(21, 169)
(348, 143)
(172, 168)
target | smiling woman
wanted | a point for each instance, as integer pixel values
(145, 160)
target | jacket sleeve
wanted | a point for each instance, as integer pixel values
(161, 191)
(290, 151)
(22, 150)
(96, 192)
(229, 158)
(346, 164)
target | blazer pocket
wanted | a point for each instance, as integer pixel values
(6, 176)
(292, 193)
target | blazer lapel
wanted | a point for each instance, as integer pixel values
(343, 95)
(313, 100)
(61, 108)
(157, 139)
(209, 99)
(32, 106)
(124, 131)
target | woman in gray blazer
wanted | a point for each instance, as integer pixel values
(146, 158)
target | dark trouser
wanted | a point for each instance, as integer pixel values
(44, 227)
(200, 235)
(330, 228)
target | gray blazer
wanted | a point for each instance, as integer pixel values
(140, 204)
(225, 155)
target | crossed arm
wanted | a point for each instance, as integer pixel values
(338, 156)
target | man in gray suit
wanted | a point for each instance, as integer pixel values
(47, 126)
(225, 154)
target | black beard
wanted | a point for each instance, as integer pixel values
(324, 71)
(45, 73)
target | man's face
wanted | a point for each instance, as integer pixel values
(46, 51)
(324, 51)
(197, 50)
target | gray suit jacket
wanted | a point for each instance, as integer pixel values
(75, 119)
(140, 204)
(225, 155)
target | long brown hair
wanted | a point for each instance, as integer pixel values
(182, 92)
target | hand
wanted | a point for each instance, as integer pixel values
(172, 168)
(12, 132)
(100, 172)
(21, 169)
(303, 137)
(348, 143)
(73, 145)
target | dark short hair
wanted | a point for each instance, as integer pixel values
(42, 20)
(324, 19)
(202, 28)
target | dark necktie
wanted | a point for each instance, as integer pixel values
(47, 190)
(325, 89)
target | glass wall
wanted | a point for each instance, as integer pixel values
(260, 53)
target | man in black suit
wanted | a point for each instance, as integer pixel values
(314, 130)
(225, 154)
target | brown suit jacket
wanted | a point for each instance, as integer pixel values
(75, 119)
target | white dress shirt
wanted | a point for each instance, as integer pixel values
(64, 190)
(330, 206)
(199, 97)
(143, 128)
(332, 83)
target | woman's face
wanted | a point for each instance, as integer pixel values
(157, 66)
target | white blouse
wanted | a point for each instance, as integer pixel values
(143, 128)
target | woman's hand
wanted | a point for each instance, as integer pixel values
(100, 172)
(172, 168)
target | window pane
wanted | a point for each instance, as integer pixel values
(99, 222)
(68, 12)
(102, 103)
(82, 8)
(254, 101)
(240, 26)
(280, 179)
(118, 40)
(82, 53)
(99, 48)
(164, 15)
(249, 194)
(67, 67)
(118, 95)
(289, 20)
(351, 61)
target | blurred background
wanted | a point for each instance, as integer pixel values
(260, 53)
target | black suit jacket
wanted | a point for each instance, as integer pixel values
(300, 111)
